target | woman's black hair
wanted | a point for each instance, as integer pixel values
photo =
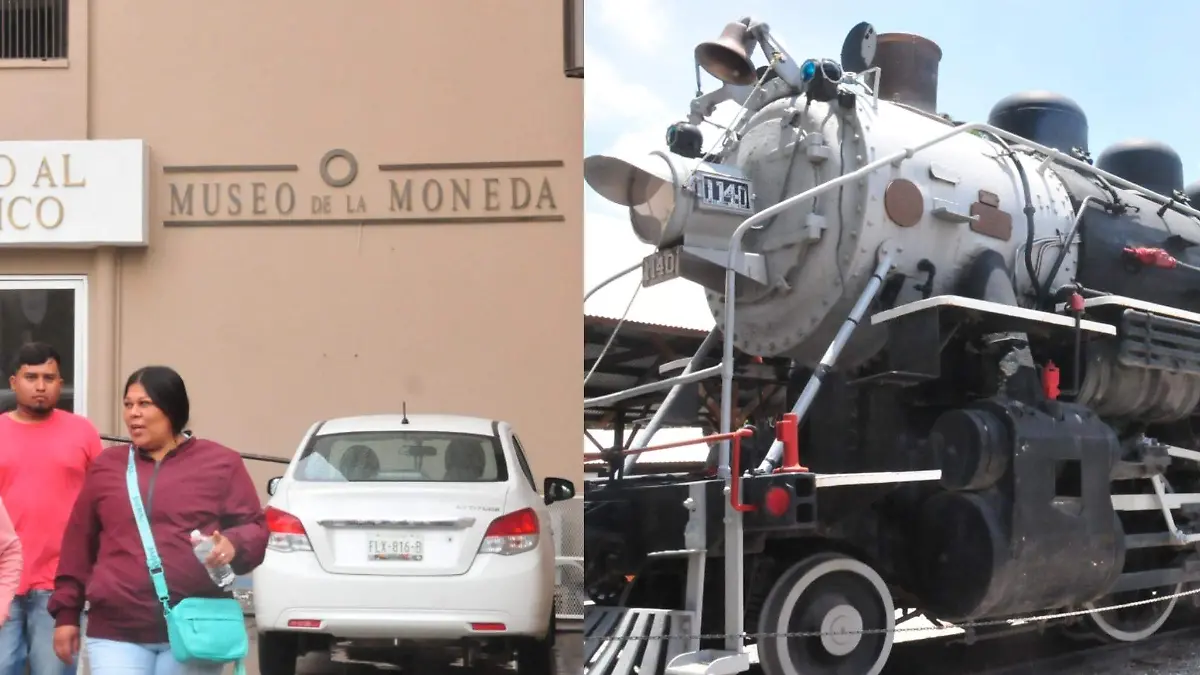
(165, 388)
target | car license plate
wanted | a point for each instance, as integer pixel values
(660, 266)
(723, 193)
(409, 547)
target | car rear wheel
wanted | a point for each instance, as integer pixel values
(536, 657)
(277, 653)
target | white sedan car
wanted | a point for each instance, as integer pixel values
(404, 535)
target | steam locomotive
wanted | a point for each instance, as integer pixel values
(1009, 430)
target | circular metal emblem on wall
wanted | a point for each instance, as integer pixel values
(345, 180)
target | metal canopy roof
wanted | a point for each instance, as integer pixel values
(634, 358)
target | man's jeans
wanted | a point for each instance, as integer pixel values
(28, 635)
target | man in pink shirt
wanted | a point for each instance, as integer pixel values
(44, 455)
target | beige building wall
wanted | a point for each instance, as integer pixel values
(284, 296)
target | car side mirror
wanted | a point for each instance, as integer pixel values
(557, 490)
(273, 484)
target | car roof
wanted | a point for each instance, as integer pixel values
(431, 422)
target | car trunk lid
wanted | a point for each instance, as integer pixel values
(397, 529)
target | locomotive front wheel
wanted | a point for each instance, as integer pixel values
(836, 597)
(1130, 624)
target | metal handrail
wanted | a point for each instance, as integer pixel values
(734, 437)
(643, 438)
(245, 455)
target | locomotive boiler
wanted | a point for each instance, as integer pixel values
(1010, 422)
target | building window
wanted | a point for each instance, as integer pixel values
(43, 311)
(33, 29)
(573, 37)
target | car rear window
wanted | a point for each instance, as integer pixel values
(403, 457)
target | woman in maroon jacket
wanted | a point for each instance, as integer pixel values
(187, 484)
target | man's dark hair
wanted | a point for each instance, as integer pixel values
(165, 388)
(34, 354)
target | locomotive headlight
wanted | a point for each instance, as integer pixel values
(650, 187)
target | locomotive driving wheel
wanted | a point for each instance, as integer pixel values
(836, 598)
(1130, 624)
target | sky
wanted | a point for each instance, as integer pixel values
(1131, 72)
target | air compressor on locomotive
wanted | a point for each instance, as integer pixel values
(1009, 428)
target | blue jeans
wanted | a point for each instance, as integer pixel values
(28, 637)
(109, 657)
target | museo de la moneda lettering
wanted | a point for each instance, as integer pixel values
(433, 195)
(402, 193)
(45, 211)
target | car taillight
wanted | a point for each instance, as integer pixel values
(515, 532)
(287, 532)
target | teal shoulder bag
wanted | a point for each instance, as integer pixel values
(199, 629)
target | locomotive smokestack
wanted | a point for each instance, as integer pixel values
(909, 70)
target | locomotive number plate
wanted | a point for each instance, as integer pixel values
(660, 266)
(722, 193)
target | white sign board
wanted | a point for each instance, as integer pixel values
(74, 193)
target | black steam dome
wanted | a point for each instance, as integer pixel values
(1043, 117)
(1193, 194)
(1151, 164)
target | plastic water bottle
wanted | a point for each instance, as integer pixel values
(222, 575)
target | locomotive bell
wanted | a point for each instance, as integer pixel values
(727, 58)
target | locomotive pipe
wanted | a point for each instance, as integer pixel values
(1030, 230)
(611, 279)
(649, 387)
(809, 393)
(656, 421)
(1062, 253)
(1055, 155)
(1039, 293)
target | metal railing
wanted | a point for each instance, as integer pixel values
(735, 437)
(569, 589)
(120, 440)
